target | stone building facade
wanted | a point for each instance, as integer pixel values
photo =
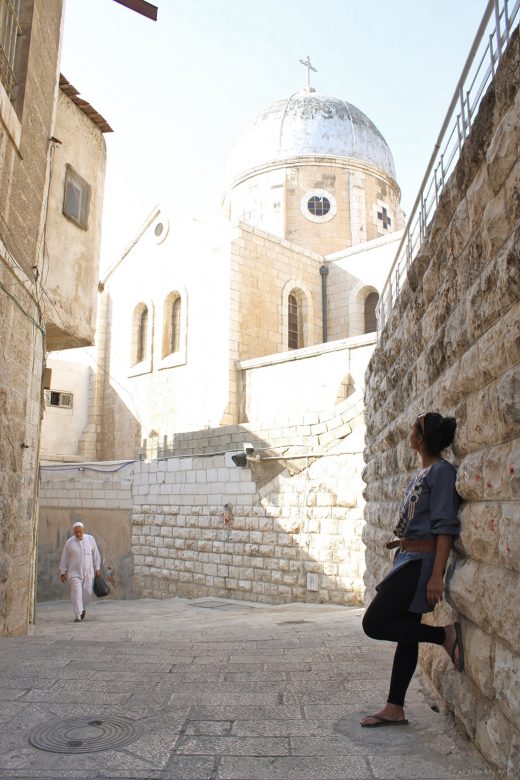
(190, 302)
(31, 257)
(283, 527)
(254, 328)
(453, 344)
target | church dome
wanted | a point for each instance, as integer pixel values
(309, 124)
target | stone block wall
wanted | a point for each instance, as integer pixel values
(202, 526)
(298, 383)
(264, 269)
(22, 357)
(100, 495)
(452, 344)
(26, 124)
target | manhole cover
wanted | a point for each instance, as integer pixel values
(84, 735)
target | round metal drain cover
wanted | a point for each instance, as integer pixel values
(84, 735)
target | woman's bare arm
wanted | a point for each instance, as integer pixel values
(435, 587)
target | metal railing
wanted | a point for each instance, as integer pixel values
(479, 71)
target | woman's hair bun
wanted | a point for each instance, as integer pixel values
(438, 432)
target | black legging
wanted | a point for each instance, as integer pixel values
(388, 618)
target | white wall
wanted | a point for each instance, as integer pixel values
(167, 396)
(62, 428)
(304, 381)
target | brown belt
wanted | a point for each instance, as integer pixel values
(413, 545)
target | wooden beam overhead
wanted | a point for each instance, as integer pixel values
(140, 7)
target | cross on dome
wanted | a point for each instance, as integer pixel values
(307, 64)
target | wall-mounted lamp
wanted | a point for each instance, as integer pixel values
(240, 459)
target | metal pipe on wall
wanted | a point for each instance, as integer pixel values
(324, 271)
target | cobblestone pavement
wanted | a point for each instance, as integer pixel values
(212, 690)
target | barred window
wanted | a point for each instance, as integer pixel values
(57, 398)
(10, 31)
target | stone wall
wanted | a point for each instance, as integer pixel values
(22, 356)
(100, 495)
(453, 344)
(26, 124)
(264, 270)
(274, 199)
(297, 383)
(72, 285)
(202, 526)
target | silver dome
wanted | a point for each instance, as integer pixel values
(309, 124)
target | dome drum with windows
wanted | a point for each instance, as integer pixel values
(314, 169)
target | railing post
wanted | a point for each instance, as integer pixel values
(463, 118)
(459, 134)
(491, 55)
(497, 22)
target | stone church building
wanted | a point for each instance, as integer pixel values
(208, 324)
(254, 329)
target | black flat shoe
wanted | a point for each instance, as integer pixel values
(82, 616)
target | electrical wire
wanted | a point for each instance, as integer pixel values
(83, 467)
(26, 313)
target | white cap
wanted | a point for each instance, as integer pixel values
(78, 524)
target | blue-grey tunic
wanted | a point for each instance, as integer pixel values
(429, 507)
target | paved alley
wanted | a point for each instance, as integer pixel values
(212, 690)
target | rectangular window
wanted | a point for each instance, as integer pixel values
(76, 198)
(10, 31)
(58, 399)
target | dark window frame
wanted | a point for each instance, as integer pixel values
(59, 399)
(74, 180)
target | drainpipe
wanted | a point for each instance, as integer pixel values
(324, 271)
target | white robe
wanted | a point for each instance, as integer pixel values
(79, 561)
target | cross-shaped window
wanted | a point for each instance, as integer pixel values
(385, 219)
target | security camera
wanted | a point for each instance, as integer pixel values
(240, 459)
(248, 448)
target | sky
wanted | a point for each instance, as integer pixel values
(177, 91)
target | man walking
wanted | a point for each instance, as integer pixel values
(79, 561)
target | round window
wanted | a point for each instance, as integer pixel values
(318, 205)
(160, 230)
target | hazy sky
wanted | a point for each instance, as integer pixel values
(177, 91)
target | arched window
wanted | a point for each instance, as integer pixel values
(295, 319)
(142, 335)
(370, 312)
(171, 324)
